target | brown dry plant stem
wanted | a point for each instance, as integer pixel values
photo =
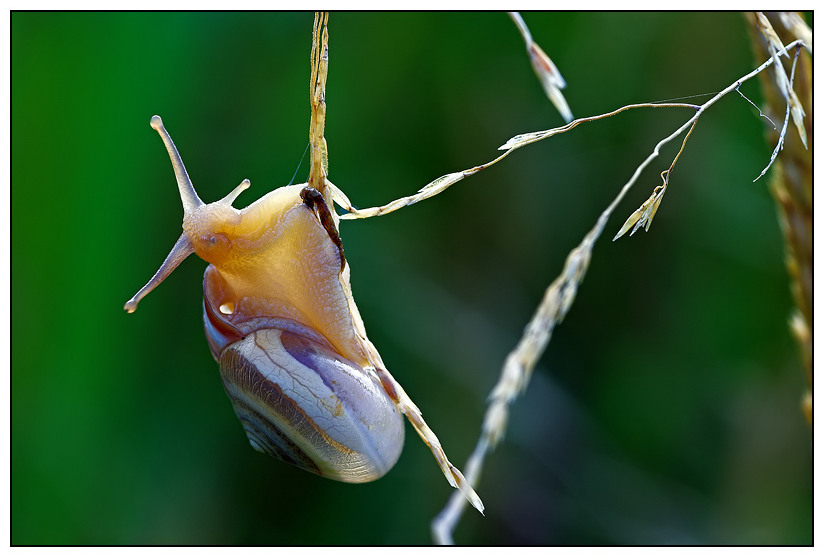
(791, 183)
(440, 184)
(319, 157)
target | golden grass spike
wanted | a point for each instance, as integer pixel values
(792, 179)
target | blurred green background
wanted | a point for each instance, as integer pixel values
(666, 409)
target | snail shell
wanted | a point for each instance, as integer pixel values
(301, 402)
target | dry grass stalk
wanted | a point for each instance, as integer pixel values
(319, 156)
(440, 184)
(559, 296)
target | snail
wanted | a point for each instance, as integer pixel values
(281, 322)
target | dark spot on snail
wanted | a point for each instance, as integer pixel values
(314, 200)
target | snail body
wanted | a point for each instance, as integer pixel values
(281, 322)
